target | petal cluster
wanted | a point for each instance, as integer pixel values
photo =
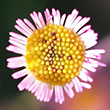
(44, 91)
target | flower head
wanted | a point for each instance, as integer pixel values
(54, 54)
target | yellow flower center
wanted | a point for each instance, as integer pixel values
(55, 54)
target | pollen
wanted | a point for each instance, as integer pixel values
(55, 54)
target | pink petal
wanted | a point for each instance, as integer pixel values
(33, 86)
(50, 95)
(22, 30)
(41, 18)
(89, 67)
(22, 85)
(20, 73)
(81, 23)
(16, 43)
(18, 40)
(15, 49)
(83, 76)
(84, 29)
(29, 24)
(69, 91)
(48, 16)
(63, 19)
(76, 22)
(18, 36)
(78, 85)
(24, 26)
(16, 62)
(85, 85)
(56, 94)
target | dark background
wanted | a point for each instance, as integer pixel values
(98, 97)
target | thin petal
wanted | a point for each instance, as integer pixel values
(84, 29)
(18, 40)
(15, 49)
(16, 43)
(83, 76)
(76, 21)
(56, 94)
(50, 94)
(33, 86)
(48, 16)
(77, 85)
(60, 94)
(89, 67)
(18, 36)
(69, 91)
(22, 85)
(96, 53)
(81, 23)
(94, 62)
(86, 85)
(16, 62)
(41, 18)
(63, 19)
(29, 24)
(20, 73)
(24, 26)
(22, 31)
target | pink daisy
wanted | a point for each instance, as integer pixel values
(55, 54)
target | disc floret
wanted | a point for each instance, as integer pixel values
(55, 54)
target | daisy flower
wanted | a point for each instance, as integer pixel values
(55, 54)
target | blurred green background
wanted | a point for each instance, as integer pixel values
(98, 97)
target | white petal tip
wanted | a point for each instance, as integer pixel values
(14, 77)
(9, 66)
(71, 96)
(86, 85)
(104, 65)
(89, 87)
(91, 80)
(61, 102)
(20, 89)
(7, 48)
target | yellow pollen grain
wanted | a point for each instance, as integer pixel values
(55, 54)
